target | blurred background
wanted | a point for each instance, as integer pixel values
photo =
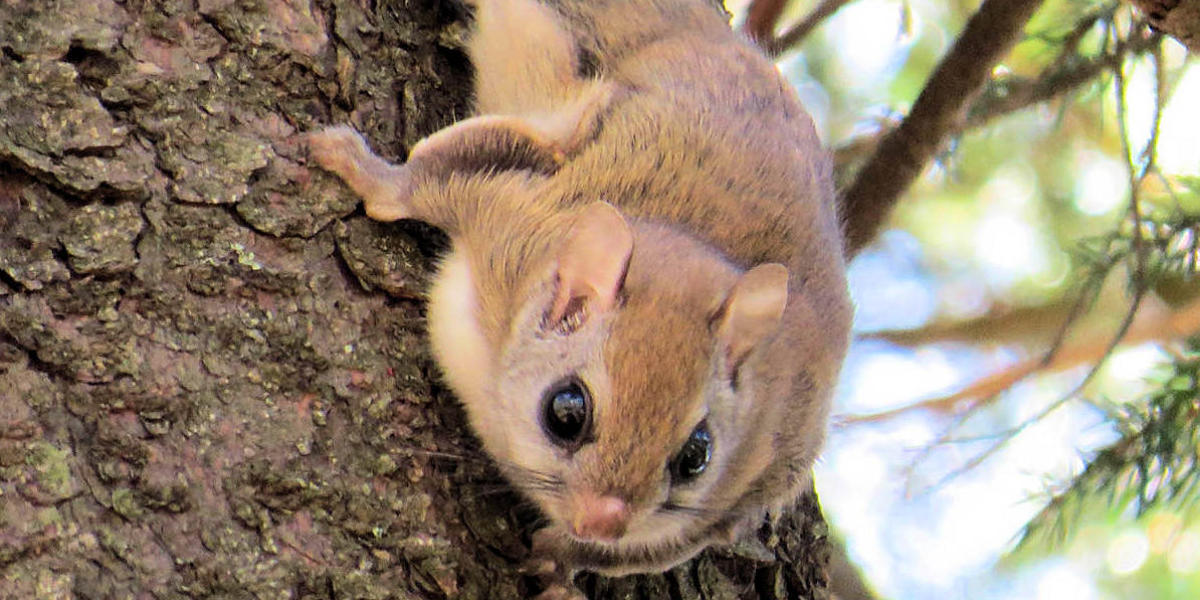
(992, 440)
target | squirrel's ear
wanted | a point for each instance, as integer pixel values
(752, 311)
(592, 262)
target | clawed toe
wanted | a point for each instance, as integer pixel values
(332, 146)
(561, 592)
(539, 567)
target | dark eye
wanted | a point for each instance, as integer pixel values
(567, 413)
(693, 458)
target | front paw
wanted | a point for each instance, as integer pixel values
(386, 190)
(545, 553)
(549, 543)
(337, 149)
(547, 562)
(561, 592)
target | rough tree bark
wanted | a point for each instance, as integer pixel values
(1179, 19)
(214, 380)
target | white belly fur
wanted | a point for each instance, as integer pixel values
(457, 341)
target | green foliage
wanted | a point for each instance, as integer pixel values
(1049, 199)
(1153, 465)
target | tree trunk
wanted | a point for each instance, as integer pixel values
(214, 379)
(1179, 19)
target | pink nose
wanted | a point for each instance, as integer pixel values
(602, 518)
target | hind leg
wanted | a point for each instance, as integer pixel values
(524, 57)
(526, 65)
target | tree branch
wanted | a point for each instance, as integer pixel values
(1011, 94)
(798, 32)
(1005, 96)
(1179, 19)
(1153, 327)
(938, 113)
(1026, 325)
(761, 18)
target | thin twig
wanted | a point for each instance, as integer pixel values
(761, 19)
(1138, 257)
(1008, 435)
(796, 34)
(1178, 323)
(1083, 303)
(1162, 328)
(1070, 42)
(1013, 94)
(1023, 325)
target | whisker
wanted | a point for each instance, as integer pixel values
(440, 454)
(682, 509)
(477, 492)
(531, 480)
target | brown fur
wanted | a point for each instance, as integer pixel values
(669, 311)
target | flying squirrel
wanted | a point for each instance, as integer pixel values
(644, 308)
